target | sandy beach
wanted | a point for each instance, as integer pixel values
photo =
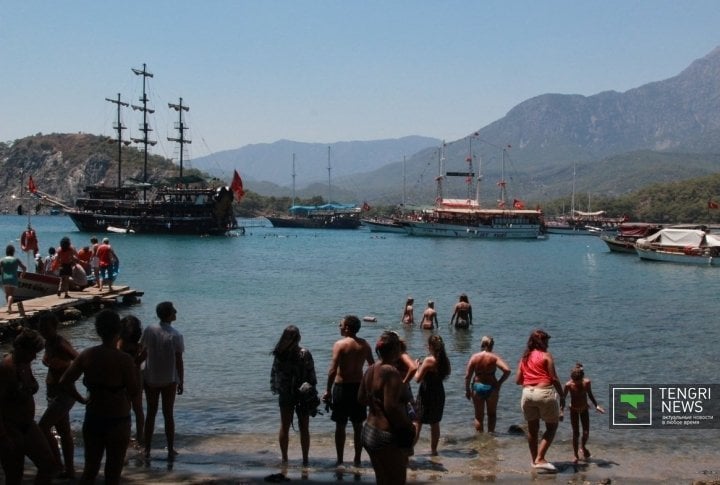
(503, 459)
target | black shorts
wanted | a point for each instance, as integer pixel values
(345, 404)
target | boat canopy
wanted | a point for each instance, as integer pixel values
(637, 229)
(681, 238)
(459, 203)
(589, 214)
(306, 209)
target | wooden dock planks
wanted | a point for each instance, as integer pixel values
(54, 303)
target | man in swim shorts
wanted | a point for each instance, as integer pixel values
(349, 356)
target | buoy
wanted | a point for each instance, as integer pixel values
(369, 319)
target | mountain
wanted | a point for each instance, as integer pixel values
(273, 161)
(546, 135)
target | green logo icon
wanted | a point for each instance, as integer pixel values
(633, 400)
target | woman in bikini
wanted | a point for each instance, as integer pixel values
(111, 380)
(429, 320)
(20, 436)
(388, 433)
(59, 353)
(481, 384)
(462, 313)
(408, 317)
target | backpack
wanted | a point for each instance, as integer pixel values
(308, 399)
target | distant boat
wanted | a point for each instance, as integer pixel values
(627, 235)
(324, 216)
(688, 246)
(584, 224)
(580, 223)
(465, 218)
(384, 224)
(185, 205)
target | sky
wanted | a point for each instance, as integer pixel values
(325, 71)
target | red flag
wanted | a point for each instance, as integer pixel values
(366, 206)
(237, 186)
(712, 204)
(31, 185)
(518, 204)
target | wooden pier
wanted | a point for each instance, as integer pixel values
(84, 303)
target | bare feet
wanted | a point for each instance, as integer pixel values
(172, 453)
(586, 453)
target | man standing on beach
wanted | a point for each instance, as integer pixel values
(346, 371)
(163, 373)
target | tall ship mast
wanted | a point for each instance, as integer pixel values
(180, 205)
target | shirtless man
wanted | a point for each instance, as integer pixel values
(343, 383)
(462, 315)
(429, 320)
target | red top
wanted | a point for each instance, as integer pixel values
(104, 254)
(535, 370)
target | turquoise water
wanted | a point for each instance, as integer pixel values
(626, 320)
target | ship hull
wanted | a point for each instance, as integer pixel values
(435, 229)
(172, 211)
(316, 222)
(144, 224)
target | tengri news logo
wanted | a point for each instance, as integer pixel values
(632, 406)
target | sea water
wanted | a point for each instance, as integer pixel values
(626, 320)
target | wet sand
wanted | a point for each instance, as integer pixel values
(505, 459)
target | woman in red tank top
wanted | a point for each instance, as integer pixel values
(541, 388)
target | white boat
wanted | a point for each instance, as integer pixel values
(383, 224)
(688, 246)
(465, 218)
(34, 285)
(120, 230)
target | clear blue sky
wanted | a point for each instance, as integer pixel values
(326, 71)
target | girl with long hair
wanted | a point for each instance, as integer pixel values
(434, 369)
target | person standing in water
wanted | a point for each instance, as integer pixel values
(429, 320)
(434, 369)
(481, 384)
(349, 355)
(163, 374)
(408, 316)
(580, 390)
(462, 313)
(541, 388)
(292, 367)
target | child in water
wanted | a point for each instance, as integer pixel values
(580, 390)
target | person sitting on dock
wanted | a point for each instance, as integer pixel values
(107, 260)
(50, 262)
(9, 277)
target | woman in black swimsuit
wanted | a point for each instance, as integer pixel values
(20, 435)
(111, 380)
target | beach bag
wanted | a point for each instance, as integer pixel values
(308, 399)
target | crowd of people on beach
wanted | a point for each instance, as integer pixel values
(375, 396)
(369, 387)
(130, 361)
